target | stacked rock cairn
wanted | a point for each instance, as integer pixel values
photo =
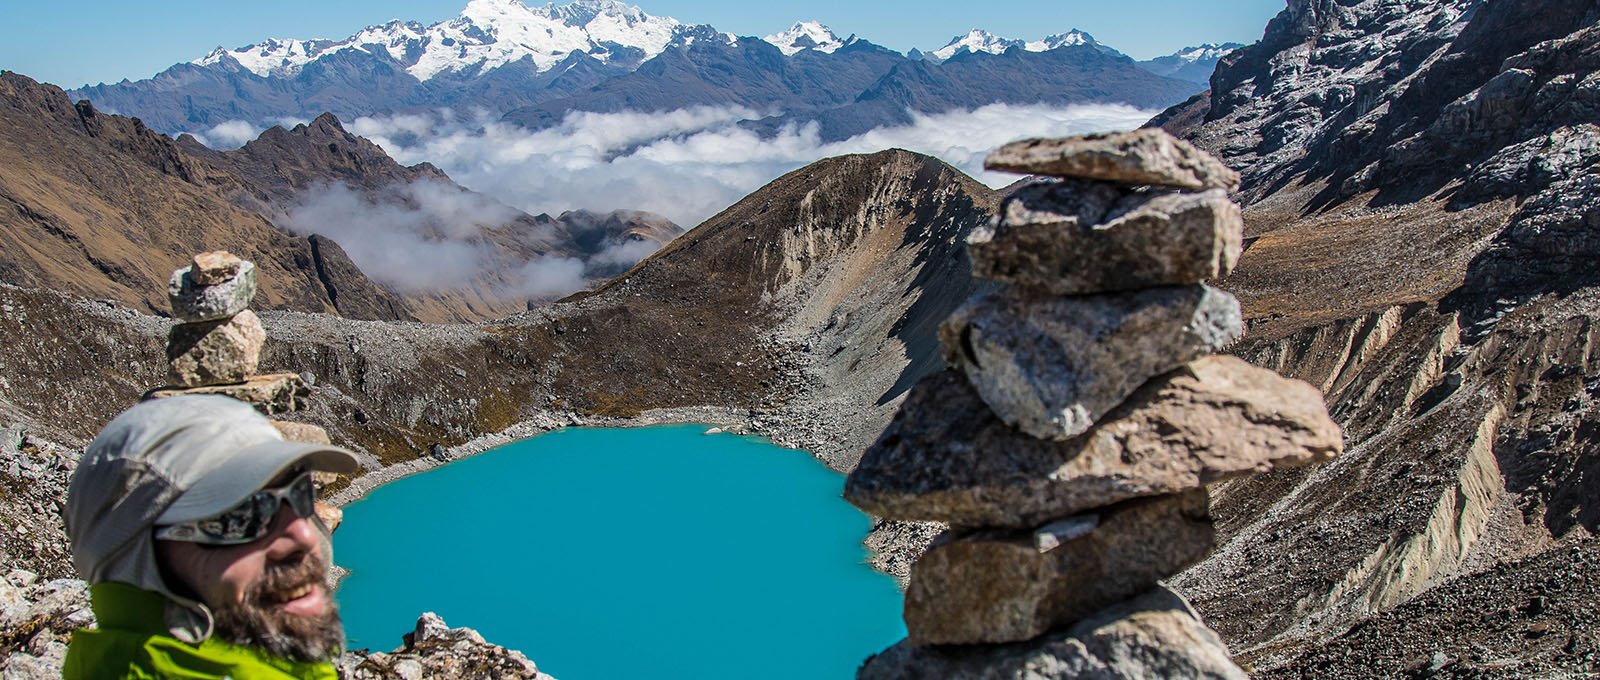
(216, 347)
(1069, 445)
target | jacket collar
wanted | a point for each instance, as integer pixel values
(125, 607)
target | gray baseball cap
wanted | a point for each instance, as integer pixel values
(173, 460)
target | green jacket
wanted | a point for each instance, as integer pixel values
(132, 642)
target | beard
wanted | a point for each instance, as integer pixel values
(258, 622)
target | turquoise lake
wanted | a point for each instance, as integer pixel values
(626, 553)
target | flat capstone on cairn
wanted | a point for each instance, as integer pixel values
(1069, 445)
(215, 348)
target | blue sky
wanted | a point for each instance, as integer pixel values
(107, 40)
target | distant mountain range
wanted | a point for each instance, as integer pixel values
(533, 65)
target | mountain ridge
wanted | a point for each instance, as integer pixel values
(245, 200)
(1420, 230)
(533, 66)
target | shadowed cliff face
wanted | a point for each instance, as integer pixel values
(1420, 239)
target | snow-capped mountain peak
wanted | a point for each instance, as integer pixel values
(806, 35)
(488, 34)
(1206, 52)
(1068, 39)
(978, 40)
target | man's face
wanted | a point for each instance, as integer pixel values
(271, 593)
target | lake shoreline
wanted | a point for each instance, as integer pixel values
(542, 422)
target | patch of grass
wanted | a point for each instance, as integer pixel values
(626, 404)
(497, 411)
(390, 445)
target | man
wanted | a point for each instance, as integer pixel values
(194, 523)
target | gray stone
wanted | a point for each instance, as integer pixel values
(270, 394)
(217, 266)
(1148, 156)
(1051, 367)
(945, 457)
(10, 443)
(1052, 201)
(195, 302)
(1055, 534)
(408, 669)
(994, 585)
(430, 626)
(331, 516)
(23, 666)
(302, 432)
(215, 352)
(1157, 635)
(1153, 239)
(21, 578)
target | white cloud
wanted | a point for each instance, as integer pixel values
(686, 165)
(625, 254)
(229, 135)
(546, 277)
(691, 163)
(232, 134)
(426, 236)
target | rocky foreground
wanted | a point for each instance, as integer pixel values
(1069, 445)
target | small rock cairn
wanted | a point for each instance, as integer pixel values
(1069, 445)
(216, 348)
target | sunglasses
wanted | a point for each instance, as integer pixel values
(249, 520)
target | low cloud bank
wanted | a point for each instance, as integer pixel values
(232, 134)
(691, 163)
(686, 165)
(425, 236)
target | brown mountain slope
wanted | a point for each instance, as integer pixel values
(807, 299)
(1420, 245)
(849, 259)
(285, 170)
(279, 164)
(99, 206)
(141, 200)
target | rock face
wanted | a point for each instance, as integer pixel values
(1419, 181)
(1051, 367)
(215, 352)
(999, 586)
(1156, 635)
(1067, 239)
(1137, 157)
(195, 302)
(947, 458)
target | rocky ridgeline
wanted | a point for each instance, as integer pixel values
(1069, 445)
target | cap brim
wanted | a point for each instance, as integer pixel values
(248, 471)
